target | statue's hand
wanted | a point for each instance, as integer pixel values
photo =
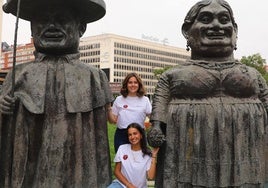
(155, 135)
(7, 104)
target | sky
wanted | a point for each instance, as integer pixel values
(161, 20)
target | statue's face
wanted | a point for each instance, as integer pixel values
(56, 32)
(212, 33)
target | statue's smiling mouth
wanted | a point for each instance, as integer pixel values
(215, 35)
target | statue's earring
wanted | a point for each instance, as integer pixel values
(235, 47)
(187, 46)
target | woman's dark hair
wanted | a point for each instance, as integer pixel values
(124, 91)
(193, 12)
(144, 148)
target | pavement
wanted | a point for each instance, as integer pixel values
(151, 184)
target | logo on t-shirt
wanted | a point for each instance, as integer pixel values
(125, 106)
(125, 157)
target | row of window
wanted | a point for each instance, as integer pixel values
(24, 52)
(143, 63)
(133, 69)
(90, 53)
(90, 46)
(148, 50)
(146, 56)
(92, 60)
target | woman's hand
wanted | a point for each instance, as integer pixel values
(154, 152)
(152, 171)
(131, 186)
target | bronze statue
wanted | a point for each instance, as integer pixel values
(210, 114)
(53, 133)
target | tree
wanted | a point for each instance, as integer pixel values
(257, 62)
(158, 72)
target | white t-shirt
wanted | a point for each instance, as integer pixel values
(131, 110)
(134, 165)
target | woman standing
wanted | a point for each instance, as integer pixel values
(134, 162)
(131, 106)
(212, 110)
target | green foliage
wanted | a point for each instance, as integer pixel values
(111, 131)
(255, 61)
(265, 76)
(158, 72)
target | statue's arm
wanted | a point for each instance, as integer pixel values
(161, 99)
(263, 95)
(156, 135)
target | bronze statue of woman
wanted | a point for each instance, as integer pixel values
(210, 114)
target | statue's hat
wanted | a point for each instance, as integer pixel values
(88, 10)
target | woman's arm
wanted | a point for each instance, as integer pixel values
(121, 177)
(152, 171)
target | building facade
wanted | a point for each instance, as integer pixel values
(24, 53)
(1, 24)
(116, 56)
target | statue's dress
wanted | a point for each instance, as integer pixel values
(215, 116)
(60, 134)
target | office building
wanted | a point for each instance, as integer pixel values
(24, 53)
(118, 56)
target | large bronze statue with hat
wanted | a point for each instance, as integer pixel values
(53, 132)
